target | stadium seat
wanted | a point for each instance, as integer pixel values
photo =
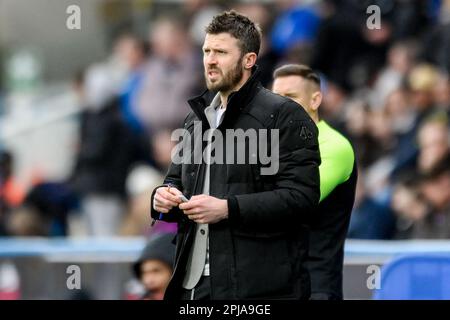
(415, 277)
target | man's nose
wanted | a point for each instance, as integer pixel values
(211, 59)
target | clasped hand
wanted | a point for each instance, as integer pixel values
(200, 208)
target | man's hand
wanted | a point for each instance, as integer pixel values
(166, 198)
(205, 209)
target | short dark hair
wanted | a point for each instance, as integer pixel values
(297, 70)
(240, 27)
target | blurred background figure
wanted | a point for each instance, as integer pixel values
(401, 57)
(11, 192)
(172, 73)
(294, 31)
(133, 52)
(107, 149)
(370, 219)
(155, 266)
(44, 211)
(437, 38)
(434, 142)
(435, 188)
(441, 93)
(408, 205)
(419, 105)
(422, 204)
(198, 13)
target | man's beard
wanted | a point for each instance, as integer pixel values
(229, 80)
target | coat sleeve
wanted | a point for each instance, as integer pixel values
(173, 177)
(296, 190)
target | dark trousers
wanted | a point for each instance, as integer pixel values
(202, 290)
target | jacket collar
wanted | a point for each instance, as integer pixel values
(238, 101)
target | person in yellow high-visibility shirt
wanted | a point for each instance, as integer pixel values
(338, 176)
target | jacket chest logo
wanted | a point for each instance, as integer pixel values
(305, 133)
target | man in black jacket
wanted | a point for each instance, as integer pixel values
(242, 234)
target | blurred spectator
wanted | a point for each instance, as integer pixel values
(370, 219)
(27, 221)
(408, 18)
(424, 204)
(133, 53)
(378, 140)
(409, 200)
(435, 188)
(383, 141)
(171, 74)
(334, 105)
(268, 58)
(421, 81)
(282, 5)
(401, 57)
(346, 51)
(116, 64)
(357, 128)
(381, 130)
(44, 211)
(441, 93)
(409, 206)
(434, 142)
(295, 27)
(11, 192)
(155, 266)
(107, 150)
(199, 13)
(398, 108)
(439, 40)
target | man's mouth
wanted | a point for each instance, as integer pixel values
(213, 73)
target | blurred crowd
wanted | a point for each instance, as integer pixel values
(386, 88)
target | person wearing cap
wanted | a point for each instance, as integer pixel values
(155, 266)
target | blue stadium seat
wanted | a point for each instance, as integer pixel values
(415, 277)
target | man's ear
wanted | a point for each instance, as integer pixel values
(316, 100)
(249, 60)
